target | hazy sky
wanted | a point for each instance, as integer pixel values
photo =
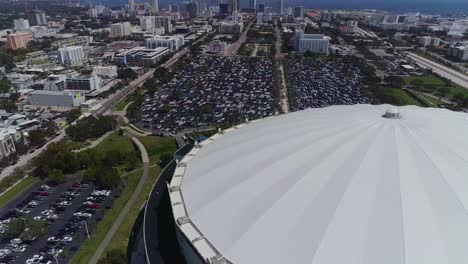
(431, 6)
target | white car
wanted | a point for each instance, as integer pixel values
(38, 218)
(66, 239)
(47, 212)
(65, 203)
(21, 248)
(52, 217)
(52, 239)
(25, 211)
(34, 259)
(16, 241)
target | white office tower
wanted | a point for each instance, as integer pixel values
(165, 22)
(131, 5)
(352, 26)
(119, 30)
(21, 24)
(315, 43)
(260, 18)
(201, 6)
(154, 5)
(147, 23)
(92, 12)
(429, 41)
(72, 56)
(173, 43)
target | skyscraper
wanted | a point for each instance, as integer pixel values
(261, 8)
(37, 18)
(233, 5)
(279, 6)
(299, 11)
(154, 5)
(131, 5)
(253, 4)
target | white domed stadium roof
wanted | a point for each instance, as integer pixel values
(336, 185)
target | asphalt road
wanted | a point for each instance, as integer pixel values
(455, 76)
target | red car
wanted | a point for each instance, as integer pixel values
(43, 193)
(76, 184)
(93, 205)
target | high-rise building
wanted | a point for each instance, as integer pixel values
(21, 24)
(233, 5)
(201, 6)
(131, 5)
(18, 40)
(154, 5)
(72, 56)
(253, 5)
(165, 22)
(119, 30)
(279, 6)
(37, 18)
(223, 8)
(352, 26)
(328, 16)
(190, 9)
(147, 23)
(315, 43)
(261, 8)
(92, 12)
(299, 11)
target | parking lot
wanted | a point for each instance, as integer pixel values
(66, 208)
(320, 83)
(212, 91)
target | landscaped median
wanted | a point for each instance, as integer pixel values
(157, 148)
(17, 189)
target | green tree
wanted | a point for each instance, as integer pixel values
(14, 229)
(56, 176)
(107, 177)
(37, 137)
(72, 115)
(35, 229)
(165, 159)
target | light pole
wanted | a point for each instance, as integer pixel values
(86, 226)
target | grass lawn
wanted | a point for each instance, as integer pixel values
(120, 106)
(434, 102)
(398, 97)
(17, 189)
(122, 144)
(155, 146)
(432, 83)
(120, 239)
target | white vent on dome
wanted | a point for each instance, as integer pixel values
(392, 113)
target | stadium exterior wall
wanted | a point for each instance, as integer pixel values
(195, 248)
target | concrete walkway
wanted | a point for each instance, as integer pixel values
(123, 214)
(94, 143)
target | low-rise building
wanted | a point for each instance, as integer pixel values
(87, 83)
(7, 142)
(427, 41)
(230, 27)
(173, 43)
(315, 43)
(60, 99)
(55, 82)
(218, 47)
(73, 41)
(105, 71)
(141, 56)
(459, 52)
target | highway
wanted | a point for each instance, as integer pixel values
(453, 75)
